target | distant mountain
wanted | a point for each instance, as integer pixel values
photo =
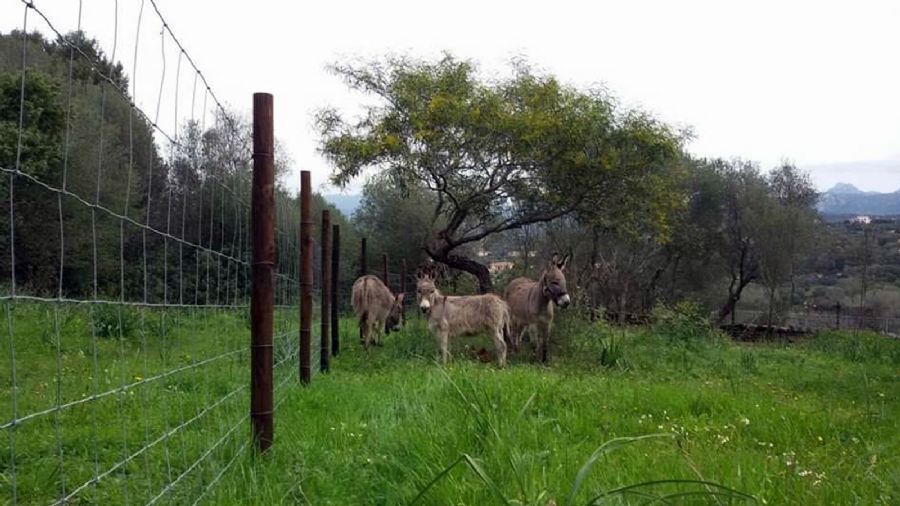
(844, 198)
(346, 204)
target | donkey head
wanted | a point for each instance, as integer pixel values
(394, 319)
(425, 288)
(553, 281)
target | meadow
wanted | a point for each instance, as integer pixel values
(671, 413)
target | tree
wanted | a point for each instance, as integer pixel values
(774, 247)
(744, 197)
(392, 219)
(496, 155)
(794, 191)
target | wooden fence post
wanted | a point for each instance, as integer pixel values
(363, 268)
(262, 296)
(325, 340)
(403, 281)
(384, 269)
(335, 284)
(306, 276)
(837, 315)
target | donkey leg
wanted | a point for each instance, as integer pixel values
(534, 344)
(500, 347)
(545, 340)
(367, 335)
(444, 344)
(515, 337)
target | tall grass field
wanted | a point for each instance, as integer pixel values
(671, 413)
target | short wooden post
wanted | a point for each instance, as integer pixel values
(403, 280)
(837, 316)
(262, 296)
(335, 284)
(306, 276)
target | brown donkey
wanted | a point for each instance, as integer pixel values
(451, 316)
(531, 305)
(376, 307)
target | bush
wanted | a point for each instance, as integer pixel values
(106, 319)
(686, 321)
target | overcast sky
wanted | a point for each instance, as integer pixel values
(814, 82)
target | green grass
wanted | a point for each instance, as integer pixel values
(809, 423)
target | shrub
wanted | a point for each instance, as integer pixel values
(686, 321)
(106, 320)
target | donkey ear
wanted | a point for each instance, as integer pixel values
(555, 259)
(564, 262)
(400, 297)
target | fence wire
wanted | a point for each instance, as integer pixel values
(125, 271)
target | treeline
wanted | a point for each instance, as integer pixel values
(143, 218)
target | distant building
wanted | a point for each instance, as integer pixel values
(865, 220)
(495, 267)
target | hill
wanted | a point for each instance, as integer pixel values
(845, 198)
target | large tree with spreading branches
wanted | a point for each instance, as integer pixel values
(497, 154)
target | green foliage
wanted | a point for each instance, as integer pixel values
(860, 346)
(111, 321)
(42, 122)
(498, 155)
(395, 219)
(749, 362)
(684, 322)
(612, 351)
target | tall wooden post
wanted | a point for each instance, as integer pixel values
(335, 284)
(325, 339)
(306, 276)
(363, 270)
(262, 297)
(384, 270)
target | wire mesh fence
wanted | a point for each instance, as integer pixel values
(125, 272)
(824, 319)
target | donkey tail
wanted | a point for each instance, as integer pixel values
(507, 337)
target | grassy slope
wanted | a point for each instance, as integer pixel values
(808, 424)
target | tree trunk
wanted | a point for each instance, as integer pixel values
(466, 264)
(728, 307)
(771, 312)
(731, 302)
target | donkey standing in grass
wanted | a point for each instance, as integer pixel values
(451, 316)
(531, 305)
(377, 308)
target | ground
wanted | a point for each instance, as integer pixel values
(812, 422)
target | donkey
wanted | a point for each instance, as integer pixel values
(531, 305)
(452, 316)
(377, 308)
